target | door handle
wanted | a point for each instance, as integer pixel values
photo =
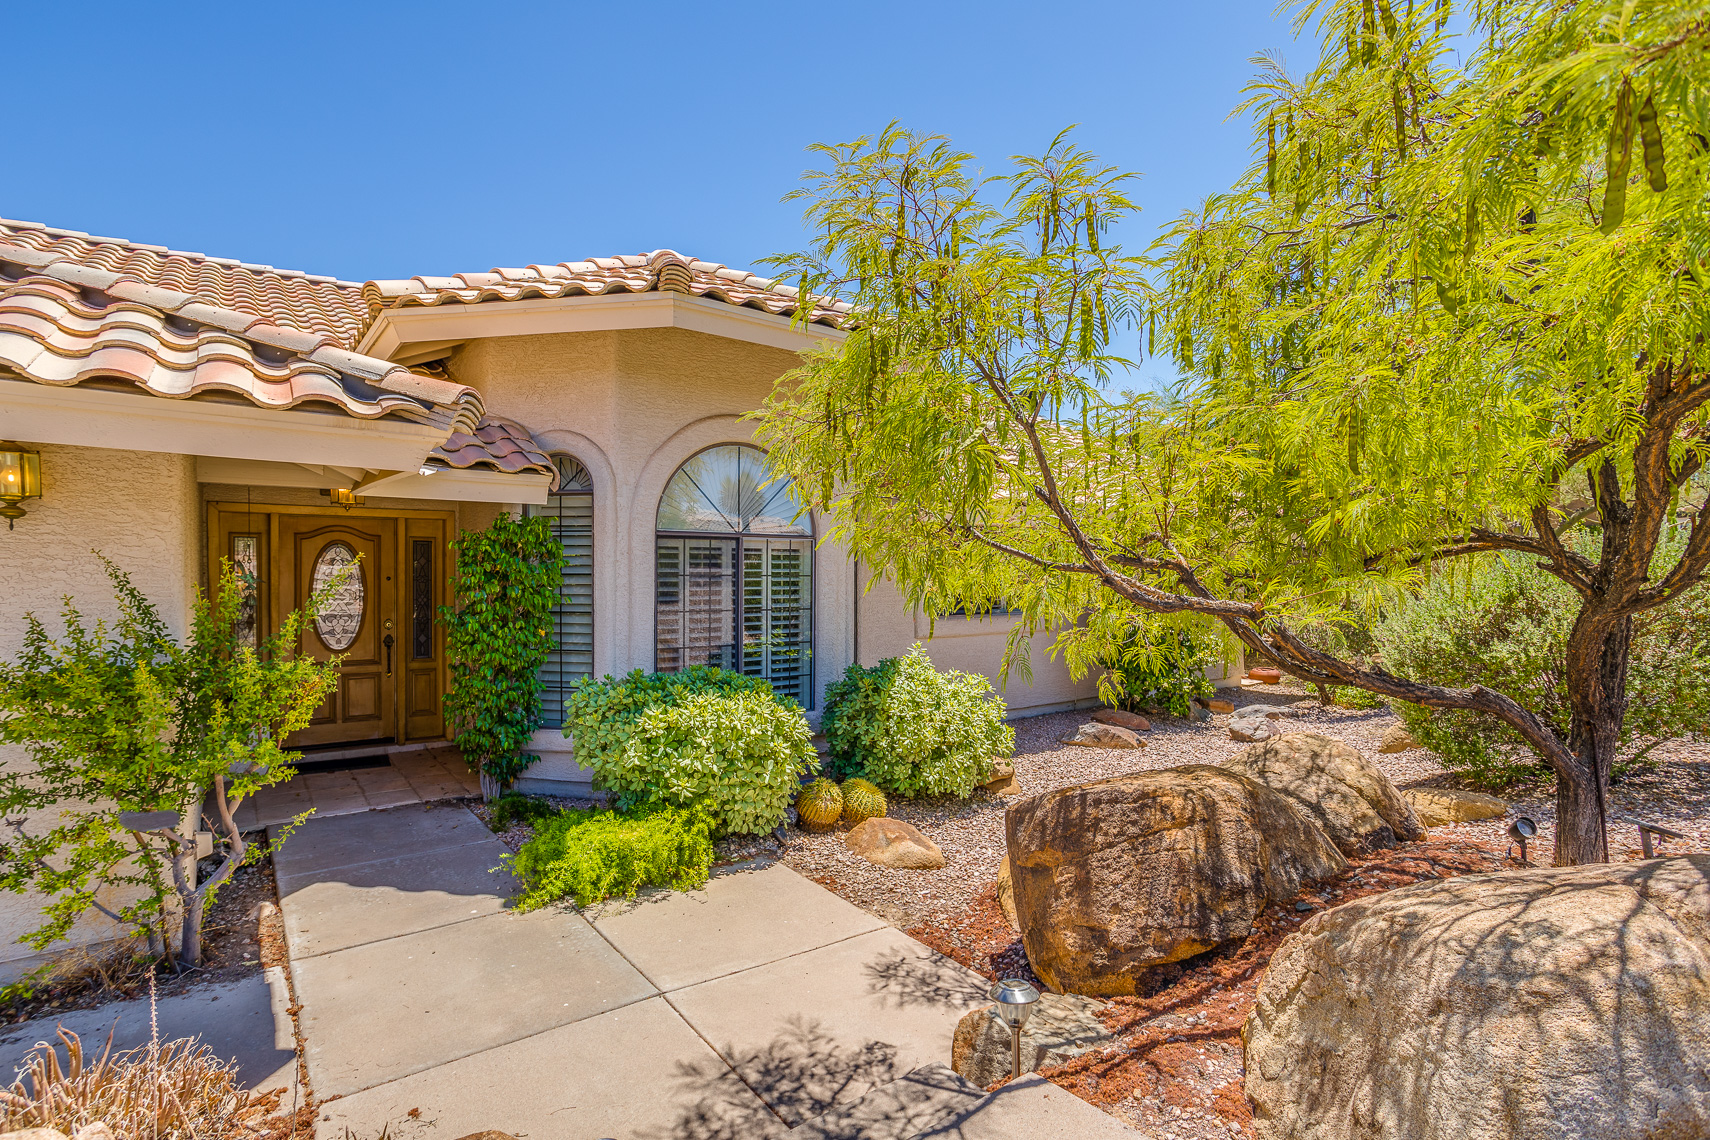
(387, 642)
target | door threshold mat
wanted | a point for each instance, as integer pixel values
(307, 766)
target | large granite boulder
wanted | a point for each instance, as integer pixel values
(1353, 801)
(1118, 875)
(1122, 718)
(1567, 1003)
(1061, 1026)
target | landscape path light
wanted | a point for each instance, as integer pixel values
(1520, 831)
(1014, 999)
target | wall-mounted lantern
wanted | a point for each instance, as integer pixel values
(345, 497)
(20, 479)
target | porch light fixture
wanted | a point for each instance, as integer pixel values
(1014, 999)
(1520, 831)
(20, 479)
(343, 497)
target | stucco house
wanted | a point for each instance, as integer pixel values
(170, 409)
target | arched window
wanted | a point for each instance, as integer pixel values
(570, 510)
(735, 572)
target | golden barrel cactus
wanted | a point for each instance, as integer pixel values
(862, 800)
(820, 803)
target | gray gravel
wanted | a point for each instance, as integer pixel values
(1675, 794)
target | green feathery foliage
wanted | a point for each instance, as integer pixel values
(497, 636)
(592, 855)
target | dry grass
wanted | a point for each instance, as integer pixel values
(174, 1090)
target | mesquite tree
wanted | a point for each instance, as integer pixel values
(1453, 309)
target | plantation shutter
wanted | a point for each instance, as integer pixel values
(570, 513)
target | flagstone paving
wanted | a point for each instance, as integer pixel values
(757, 1006)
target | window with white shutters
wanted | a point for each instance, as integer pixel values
(570, 512)
(734, 572)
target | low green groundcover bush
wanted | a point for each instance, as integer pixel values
(592, 855)
(703, 736)
(915, 730)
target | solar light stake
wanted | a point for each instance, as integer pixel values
(1520, 831)
(1014, 999)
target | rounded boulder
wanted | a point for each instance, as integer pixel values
(1350, 798)
(1565, 1003)
(1119, 875)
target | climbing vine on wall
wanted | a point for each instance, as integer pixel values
(498, 634)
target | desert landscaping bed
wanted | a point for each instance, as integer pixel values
(1674, 793)
(1177, 1069)
(242, 936)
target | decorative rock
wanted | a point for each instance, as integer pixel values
(1251, 728)
(1198, 714)
(1270, 712)
(1061, 1026)
(1355, 803)
(1122, 718)
(1100, 735)
(35, 1134)
(1003, 782)
(1006, 894)
(95, 1131)
(894, 844)
(1428, 1013)
(1219, 705)
(1435, 807)
(490, 1134)
(1396, 738)
(1118, 875)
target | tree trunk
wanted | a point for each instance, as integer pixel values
(1597, 659)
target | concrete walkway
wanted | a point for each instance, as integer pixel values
(762, 1006)
(411, 775)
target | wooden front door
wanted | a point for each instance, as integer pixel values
(359, 621)
(384, 622)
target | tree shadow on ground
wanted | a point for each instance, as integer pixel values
(798, 1075)
(907, 980)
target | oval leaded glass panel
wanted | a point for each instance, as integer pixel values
(341, 618)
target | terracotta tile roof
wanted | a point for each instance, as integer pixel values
(63, 322)
(494, 443)
(287, 297)
(663, 270)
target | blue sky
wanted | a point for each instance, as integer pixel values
(375, 140)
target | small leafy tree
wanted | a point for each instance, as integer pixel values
(127, 730)
(498, 635)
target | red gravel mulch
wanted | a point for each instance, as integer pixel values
(1178, 1066)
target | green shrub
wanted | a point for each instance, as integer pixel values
(1164, 670)
(513, 808)
(592, 855)
(703, 736)
(497, 637)
(1505, 625)
(915, 730)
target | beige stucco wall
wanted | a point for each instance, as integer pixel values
(888, 627)
(633, 406)
(140, 510)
